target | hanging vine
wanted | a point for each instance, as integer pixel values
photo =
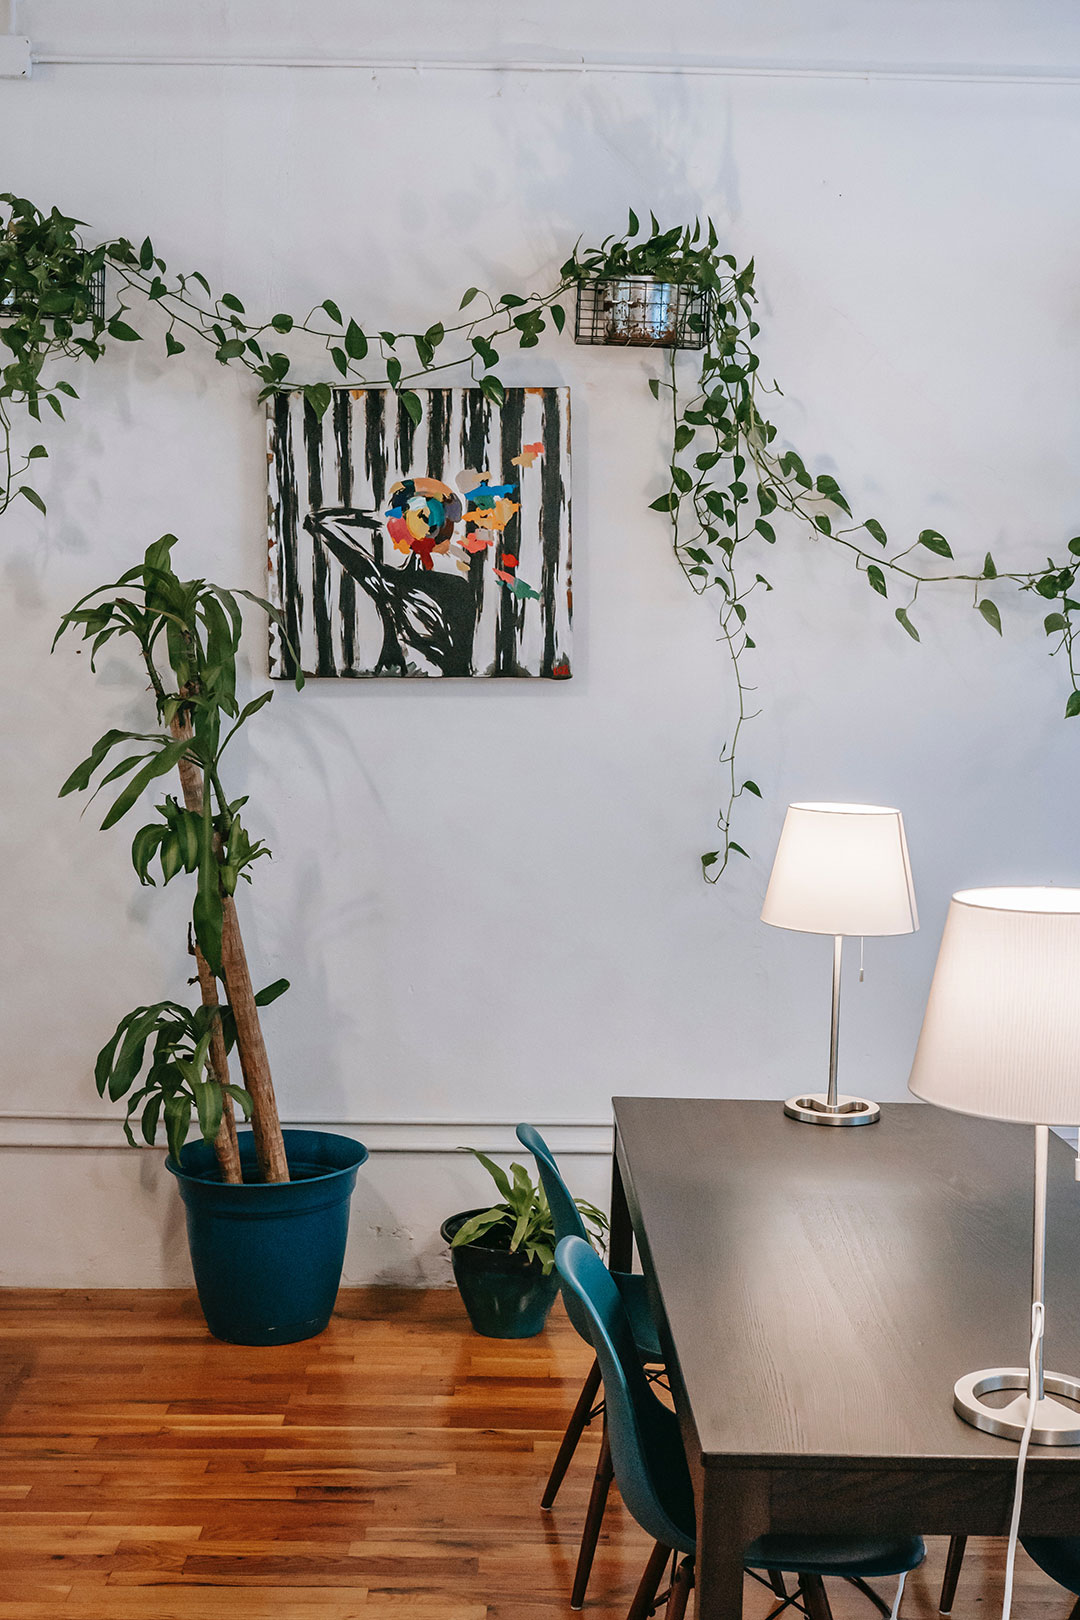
(728, 475)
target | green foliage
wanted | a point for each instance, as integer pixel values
(167, 1047)
(188, 636)
(523, 1215)
(730, 481)
(682, 253)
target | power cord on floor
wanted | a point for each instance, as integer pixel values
(1038, 1313)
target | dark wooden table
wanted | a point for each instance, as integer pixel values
(819, 1292)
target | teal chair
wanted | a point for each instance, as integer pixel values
(567, 1221)
(654, 1480)
(1058, 1557)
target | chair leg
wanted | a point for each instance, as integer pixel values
(649, 1584)
(952, 1573)
(1074, 1612)
(680, 1591)
(574, 1430)
(593, 1520)
(899, 1595)
(879, 1603)
(815, 1597)
(776, 1581)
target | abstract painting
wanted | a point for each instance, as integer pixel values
(431, 548)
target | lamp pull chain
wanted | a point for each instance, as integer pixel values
(862, 948)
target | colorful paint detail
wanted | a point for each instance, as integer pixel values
(386, 561)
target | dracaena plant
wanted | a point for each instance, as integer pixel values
(522, 1223)
(187, 632)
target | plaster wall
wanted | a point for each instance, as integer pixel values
(487, 897)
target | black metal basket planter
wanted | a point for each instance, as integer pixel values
(643, 313)
(87, 304)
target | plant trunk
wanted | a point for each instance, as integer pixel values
(254, 1064)
(265, 1125)
(226, 1146)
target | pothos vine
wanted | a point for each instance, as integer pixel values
(728, 476)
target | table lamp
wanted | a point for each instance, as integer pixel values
(1001, 1040)
(840, 869)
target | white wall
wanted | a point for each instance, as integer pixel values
(487, 897)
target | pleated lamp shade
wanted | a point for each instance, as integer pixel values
(1001, 1034)
(842, 869)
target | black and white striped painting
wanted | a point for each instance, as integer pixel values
(437, 548)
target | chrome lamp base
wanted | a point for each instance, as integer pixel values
(1055, 1424)
(816, 1109)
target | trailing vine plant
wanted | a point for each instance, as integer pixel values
(730, 475)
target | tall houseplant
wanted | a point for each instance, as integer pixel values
(188, 637)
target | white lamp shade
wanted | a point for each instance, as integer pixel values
(842, 869)
(1001, 1035)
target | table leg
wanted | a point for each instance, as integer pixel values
(621, 1232)
(732, 1512)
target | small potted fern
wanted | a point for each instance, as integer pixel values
(504, 1256)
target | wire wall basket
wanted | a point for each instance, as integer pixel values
(640, 312)
(92, 309)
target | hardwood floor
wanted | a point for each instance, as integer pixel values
(391, 1468)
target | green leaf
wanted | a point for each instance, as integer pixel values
(231, 301)
(935, 542)
(665, 503)
(32, 496)
(492, 389)
(281, 323)
(356, 344)
(497, 1174)
(468, 297)
(119, 329)
(633, 227)
(877, 579)
(821, 522)
(766, 529)
(166, 758)
(36, 452)
(318, 396)
(873, 528)
(710, 859)
(990, 613)
(558, 316)
(654, 387)
(177, 1121)
(172, 346)
(989, 571)
(683, 436)
(270, 992)
(902, 618)
(412, 404)
(146, 255)
(1072, 707)
(1074, 546)
(752, 787)
(1054, 622)
(737, 848)
(332, 310)
(393, 372)
(206, 912)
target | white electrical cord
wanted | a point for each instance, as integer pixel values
(1038, 1313)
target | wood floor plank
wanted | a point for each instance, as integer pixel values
(388, 1470)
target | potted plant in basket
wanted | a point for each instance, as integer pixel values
(504, 1256)
(650, 294)
(267, 1211)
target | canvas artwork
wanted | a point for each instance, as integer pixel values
(440, 548)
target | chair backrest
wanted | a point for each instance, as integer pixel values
(646, 1446)
(565, 1215)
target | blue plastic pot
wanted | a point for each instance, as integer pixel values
(506, 1295)
(267, 1256)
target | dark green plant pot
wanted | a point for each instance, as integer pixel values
(267, 1256)
(506, 1295)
